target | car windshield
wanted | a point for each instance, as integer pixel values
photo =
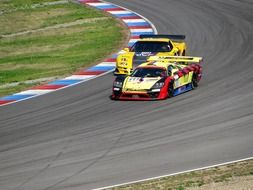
(148, 72)
(142, 46)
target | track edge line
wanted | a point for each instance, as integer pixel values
(176, 173)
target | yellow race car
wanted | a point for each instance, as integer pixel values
(159, 78)
(146, 46)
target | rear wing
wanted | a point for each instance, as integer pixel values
(177, 59)
(171, 37)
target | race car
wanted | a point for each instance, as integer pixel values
(146, 46)
(159, 78)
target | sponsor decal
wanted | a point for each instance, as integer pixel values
(144, 54)
(134, 79)
(139, 79)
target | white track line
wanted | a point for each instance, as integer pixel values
(119, 12)
(173, 174)
(98, 4)
(35, 91)
(134, 20)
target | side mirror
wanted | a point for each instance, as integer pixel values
(126, 49)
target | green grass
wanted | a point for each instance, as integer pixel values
(52, 52)
(195, 179)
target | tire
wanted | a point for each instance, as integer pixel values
(195, 80)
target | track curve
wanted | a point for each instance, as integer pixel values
(78, 138)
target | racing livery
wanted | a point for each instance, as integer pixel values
(159, 78)
(146, 46)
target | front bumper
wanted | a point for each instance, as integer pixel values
(122, 71)
(138, 96)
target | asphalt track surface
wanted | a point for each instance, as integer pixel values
(77, 138)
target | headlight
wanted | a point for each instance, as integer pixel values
(158, 85)
(118, 84)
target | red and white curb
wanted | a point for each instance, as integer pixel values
(137, 25)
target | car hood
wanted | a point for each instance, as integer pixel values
(141, 57)
(139, 84)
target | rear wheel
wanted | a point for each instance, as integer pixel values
(195, 80)
(171, 89)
